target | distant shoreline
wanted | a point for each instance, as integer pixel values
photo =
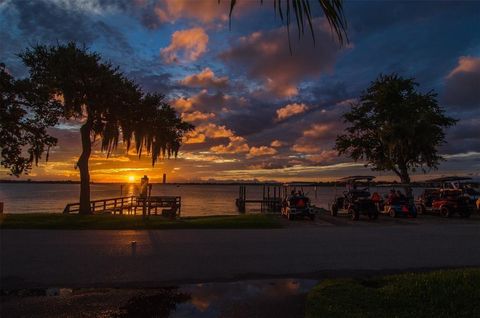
(317, 184)
(170, 183)
(320, 184)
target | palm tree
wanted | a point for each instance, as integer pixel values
(333, 10)
(112, 107)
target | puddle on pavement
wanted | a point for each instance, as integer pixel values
(245, 298)
(261, 298)
(159, 304)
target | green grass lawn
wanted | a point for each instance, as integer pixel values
(439, 294)
(59, 221)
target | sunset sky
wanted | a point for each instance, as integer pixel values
(259, 111)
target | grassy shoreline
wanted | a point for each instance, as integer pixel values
(441, 294)
(58, 221)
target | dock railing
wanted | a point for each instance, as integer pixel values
(167, 205)
(271, 201)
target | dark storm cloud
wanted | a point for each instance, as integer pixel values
(363, 16)
(335, 90)
(417, 39)
(47, 22)
(151, 83)
(254, 119)
(464, 136)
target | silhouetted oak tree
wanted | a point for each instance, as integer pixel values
(110, 106)
(25, 112)
(395, 128)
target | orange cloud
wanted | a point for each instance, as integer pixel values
(196, 116)
(210, 12)
(276, 143)
(462, 84)
(205, 11)
(316, 138)
(290, 110)
(261, 151)
(317, 130)
(214, 131)
(466, 64)
(192, 43)
(205, 78)
(206, 156)
(237, 144)
(324, 156)
(182, 104)
(306, 148)
(265, 57)
(194, 137)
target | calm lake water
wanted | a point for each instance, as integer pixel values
(197, 200)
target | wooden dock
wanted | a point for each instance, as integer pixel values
(271, 201)
(166, 205)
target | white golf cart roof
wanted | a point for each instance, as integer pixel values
(448, 179)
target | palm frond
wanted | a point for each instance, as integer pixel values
(332, 9)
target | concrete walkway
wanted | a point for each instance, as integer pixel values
(41, 258)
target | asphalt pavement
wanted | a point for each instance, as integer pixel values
(46, 258)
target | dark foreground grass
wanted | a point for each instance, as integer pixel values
(57, 221)
(439, 294)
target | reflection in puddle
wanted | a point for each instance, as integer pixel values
(159, 304)
(254, 298)
(237, 298)
(62, 292)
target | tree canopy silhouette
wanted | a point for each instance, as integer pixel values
(302, 11)
(110, 106)
(26, 112)
(395, 128)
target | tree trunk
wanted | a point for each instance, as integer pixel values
(405, 179)
(82, 164)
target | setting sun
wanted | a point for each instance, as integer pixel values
(131, 178)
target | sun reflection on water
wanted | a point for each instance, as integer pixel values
(129, 189)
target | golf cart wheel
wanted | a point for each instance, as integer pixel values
(421, 209)
(312, 217)
(372, 213)
(334, 210)
(392, 213)
(465, 214)
(445, 212)
(355, 214)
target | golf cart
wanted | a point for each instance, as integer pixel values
(451, 201)
(356, 200)
(425, 200)
(396, 205)
(452, 196)
(296, 203)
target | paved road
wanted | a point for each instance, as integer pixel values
(36, 258)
